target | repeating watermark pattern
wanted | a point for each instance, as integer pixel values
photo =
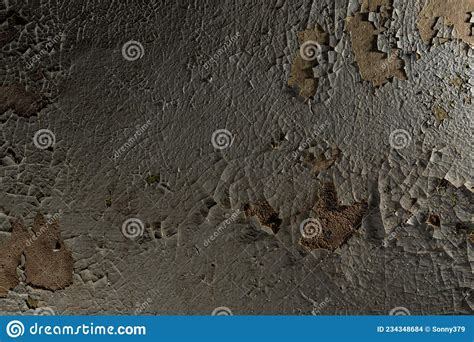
(221, 139)
(399, 311)
(220, 229)
(44, 138)
(15, 329)
(310, 228)
(143, 306)
(46, 311)
(391, 236)
(399, 139)
(307, 142)
(310, 50)
(318, 307)
(140, 307)
(43, 228)
(222, 311)
(132, 50)
(48, 50)
(132, 141)
(227, 45)
(391, 59)
(133, 228)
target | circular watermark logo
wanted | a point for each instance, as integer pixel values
(46, 311)
(44, 138)
(399, 311)
(15, 329)
(133, 228)
(310, 228)
(221, 139)
(222, 311)
(310, 50)
(132, 50)
(399, 139)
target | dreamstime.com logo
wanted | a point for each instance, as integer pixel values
(43, 229)
(132, 140)
(44, 138)
(46, 311)
(15, 329)
(133, 228)
(227, 45)
(399, 311)
(310, 228)
(132, 50)
(222, 311)
(311, 50)
(221, 228)
(48, 50)
(221, 139)
(399, 139)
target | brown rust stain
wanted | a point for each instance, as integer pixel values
(265, 214)
(374, 66)
(433, 220)
(22, 101)
(338, 222)
(456, 13)
(48, 263)
(301, 73)
(10, 257)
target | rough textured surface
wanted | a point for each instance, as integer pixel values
(22, 101)
(47, 263)
(455, 13)
(338, 222)
(165, 118)
(375, 66)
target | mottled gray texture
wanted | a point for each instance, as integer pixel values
(97, 100)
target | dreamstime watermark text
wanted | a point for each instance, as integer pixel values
(132, 140)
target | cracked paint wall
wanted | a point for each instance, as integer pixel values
(200, 162)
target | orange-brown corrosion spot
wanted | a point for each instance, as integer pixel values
(265, 214)
(338, 222)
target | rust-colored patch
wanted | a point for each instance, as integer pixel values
(10, 258)
(265, 214)
(338, 222)
(456, 13)
(48, 263)
(471, 238)
(301, 74)
(22, 101)
(433, 220)
(374, 66)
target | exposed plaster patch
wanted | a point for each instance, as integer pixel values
(456, 14)
(374, 65)
(48, 263)
(301, 75)
(266, 215)
(338, 222)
